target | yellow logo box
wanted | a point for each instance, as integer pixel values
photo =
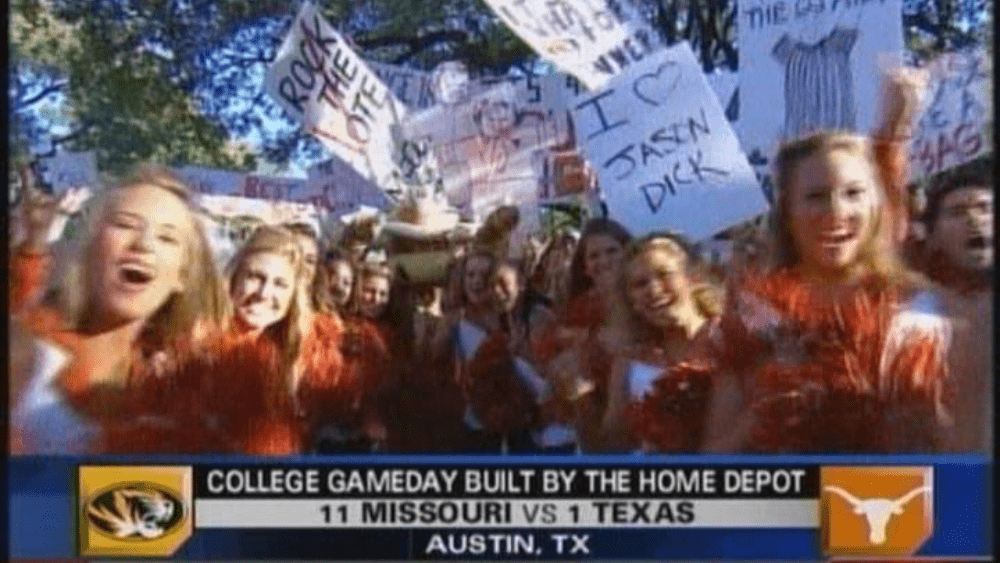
(142, 511)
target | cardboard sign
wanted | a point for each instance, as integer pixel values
(810, 66)
(68, 170)
(320, 81)
(340, 190)
(666, 156)
(954, 128)
(593, 40)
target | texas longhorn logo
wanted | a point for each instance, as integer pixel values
(134, 511)
(876, 510)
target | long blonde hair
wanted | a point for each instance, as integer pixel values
(879, 255)
(202, 301)
(706, 297)
(289, 333)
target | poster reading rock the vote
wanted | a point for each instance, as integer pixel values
(320, 81)
(812, 65)
(667, 157)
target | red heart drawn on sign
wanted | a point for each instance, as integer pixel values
(656, 87)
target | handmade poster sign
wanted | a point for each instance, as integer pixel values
(955, 127)
(212, 181)
(320, 81)
(812, 65)
(413, 87)
(593, 40)
(339, 190)
(259, 186)
(666, 156)
(488, 147)
(68, 170)
(724, 83)
(241, 215)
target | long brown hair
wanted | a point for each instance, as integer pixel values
(366, 271)
(202, 302)
(578, 280)
(456, 298)
(289, 333)
(317, 287)
(879, 254)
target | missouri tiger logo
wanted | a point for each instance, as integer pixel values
(143, 511)
(137, 511)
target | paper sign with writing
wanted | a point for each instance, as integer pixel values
(543, 98)
(954, 127)
(340, 190)
(253, 212)
(69, 170)
(413, 87)
(666, 156)
(320, 81)
(591, 39)
(273, 187)
(212, 181)
(724, 83)
(487, 147)
(811, 65)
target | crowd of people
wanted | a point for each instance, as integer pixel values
(833, 332)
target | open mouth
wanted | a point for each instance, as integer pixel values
(835, 238)
(978, 242)
(135, 274)
(661, 305)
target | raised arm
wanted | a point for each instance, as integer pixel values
(902, 90)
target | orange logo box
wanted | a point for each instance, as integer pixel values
(876, 511)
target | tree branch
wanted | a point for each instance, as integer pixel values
(21, 104)
(415, 44)
(56, 141)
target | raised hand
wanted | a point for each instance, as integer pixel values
(903, 92)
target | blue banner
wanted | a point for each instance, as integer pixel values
(44, 511)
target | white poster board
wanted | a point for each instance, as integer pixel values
(339, 190)
(212, 181)
(955, 127)
(413, 87)
(666, 156)
(591, 39)
(811, 66)
(321, 82)
(68, 170)
(724, 83)
(488, 147)
(261, 186)
(230, 220)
